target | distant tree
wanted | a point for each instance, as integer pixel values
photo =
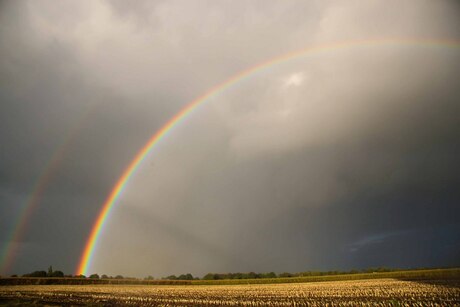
(185, 277)
(80, 276)
(119, 277)
(209, 276)
(220, 276)
(36, 274)
(237, 276)
(57, 274)
(150, 277)
(269, 275)
(50, 271)
(94, 276)
(104, 276)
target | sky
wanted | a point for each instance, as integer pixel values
(340, 159)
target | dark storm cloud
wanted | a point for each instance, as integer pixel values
(49, 102)
(335, 161)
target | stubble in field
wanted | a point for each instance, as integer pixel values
(382, 292)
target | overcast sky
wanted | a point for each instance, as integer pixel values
(342, 159)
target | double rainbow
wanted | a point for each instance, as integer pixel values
(117, 190)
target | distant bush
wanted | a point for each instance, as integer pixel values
(36, 274)
(250, 275)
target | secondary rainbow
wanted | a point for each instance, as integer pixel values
(18, 230)
(11, 248)
(86, 257)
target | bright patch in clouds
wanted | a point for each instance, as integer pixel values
(295, 79)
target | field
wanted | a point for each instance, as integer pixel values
(372, 292)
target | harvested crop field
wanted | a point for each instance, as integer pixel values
(380, 292)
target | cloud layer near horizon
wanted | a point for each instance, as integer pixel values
(335, 160)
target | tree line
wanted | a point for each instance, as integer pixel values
(253, 275)
(209, 276)
(50, 273)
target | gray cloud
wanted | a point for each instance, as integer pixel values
(336, 160)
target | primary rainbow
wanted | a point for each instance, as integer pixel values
(96, 230)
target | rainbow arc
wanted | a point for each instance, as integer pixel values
(117, 190)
